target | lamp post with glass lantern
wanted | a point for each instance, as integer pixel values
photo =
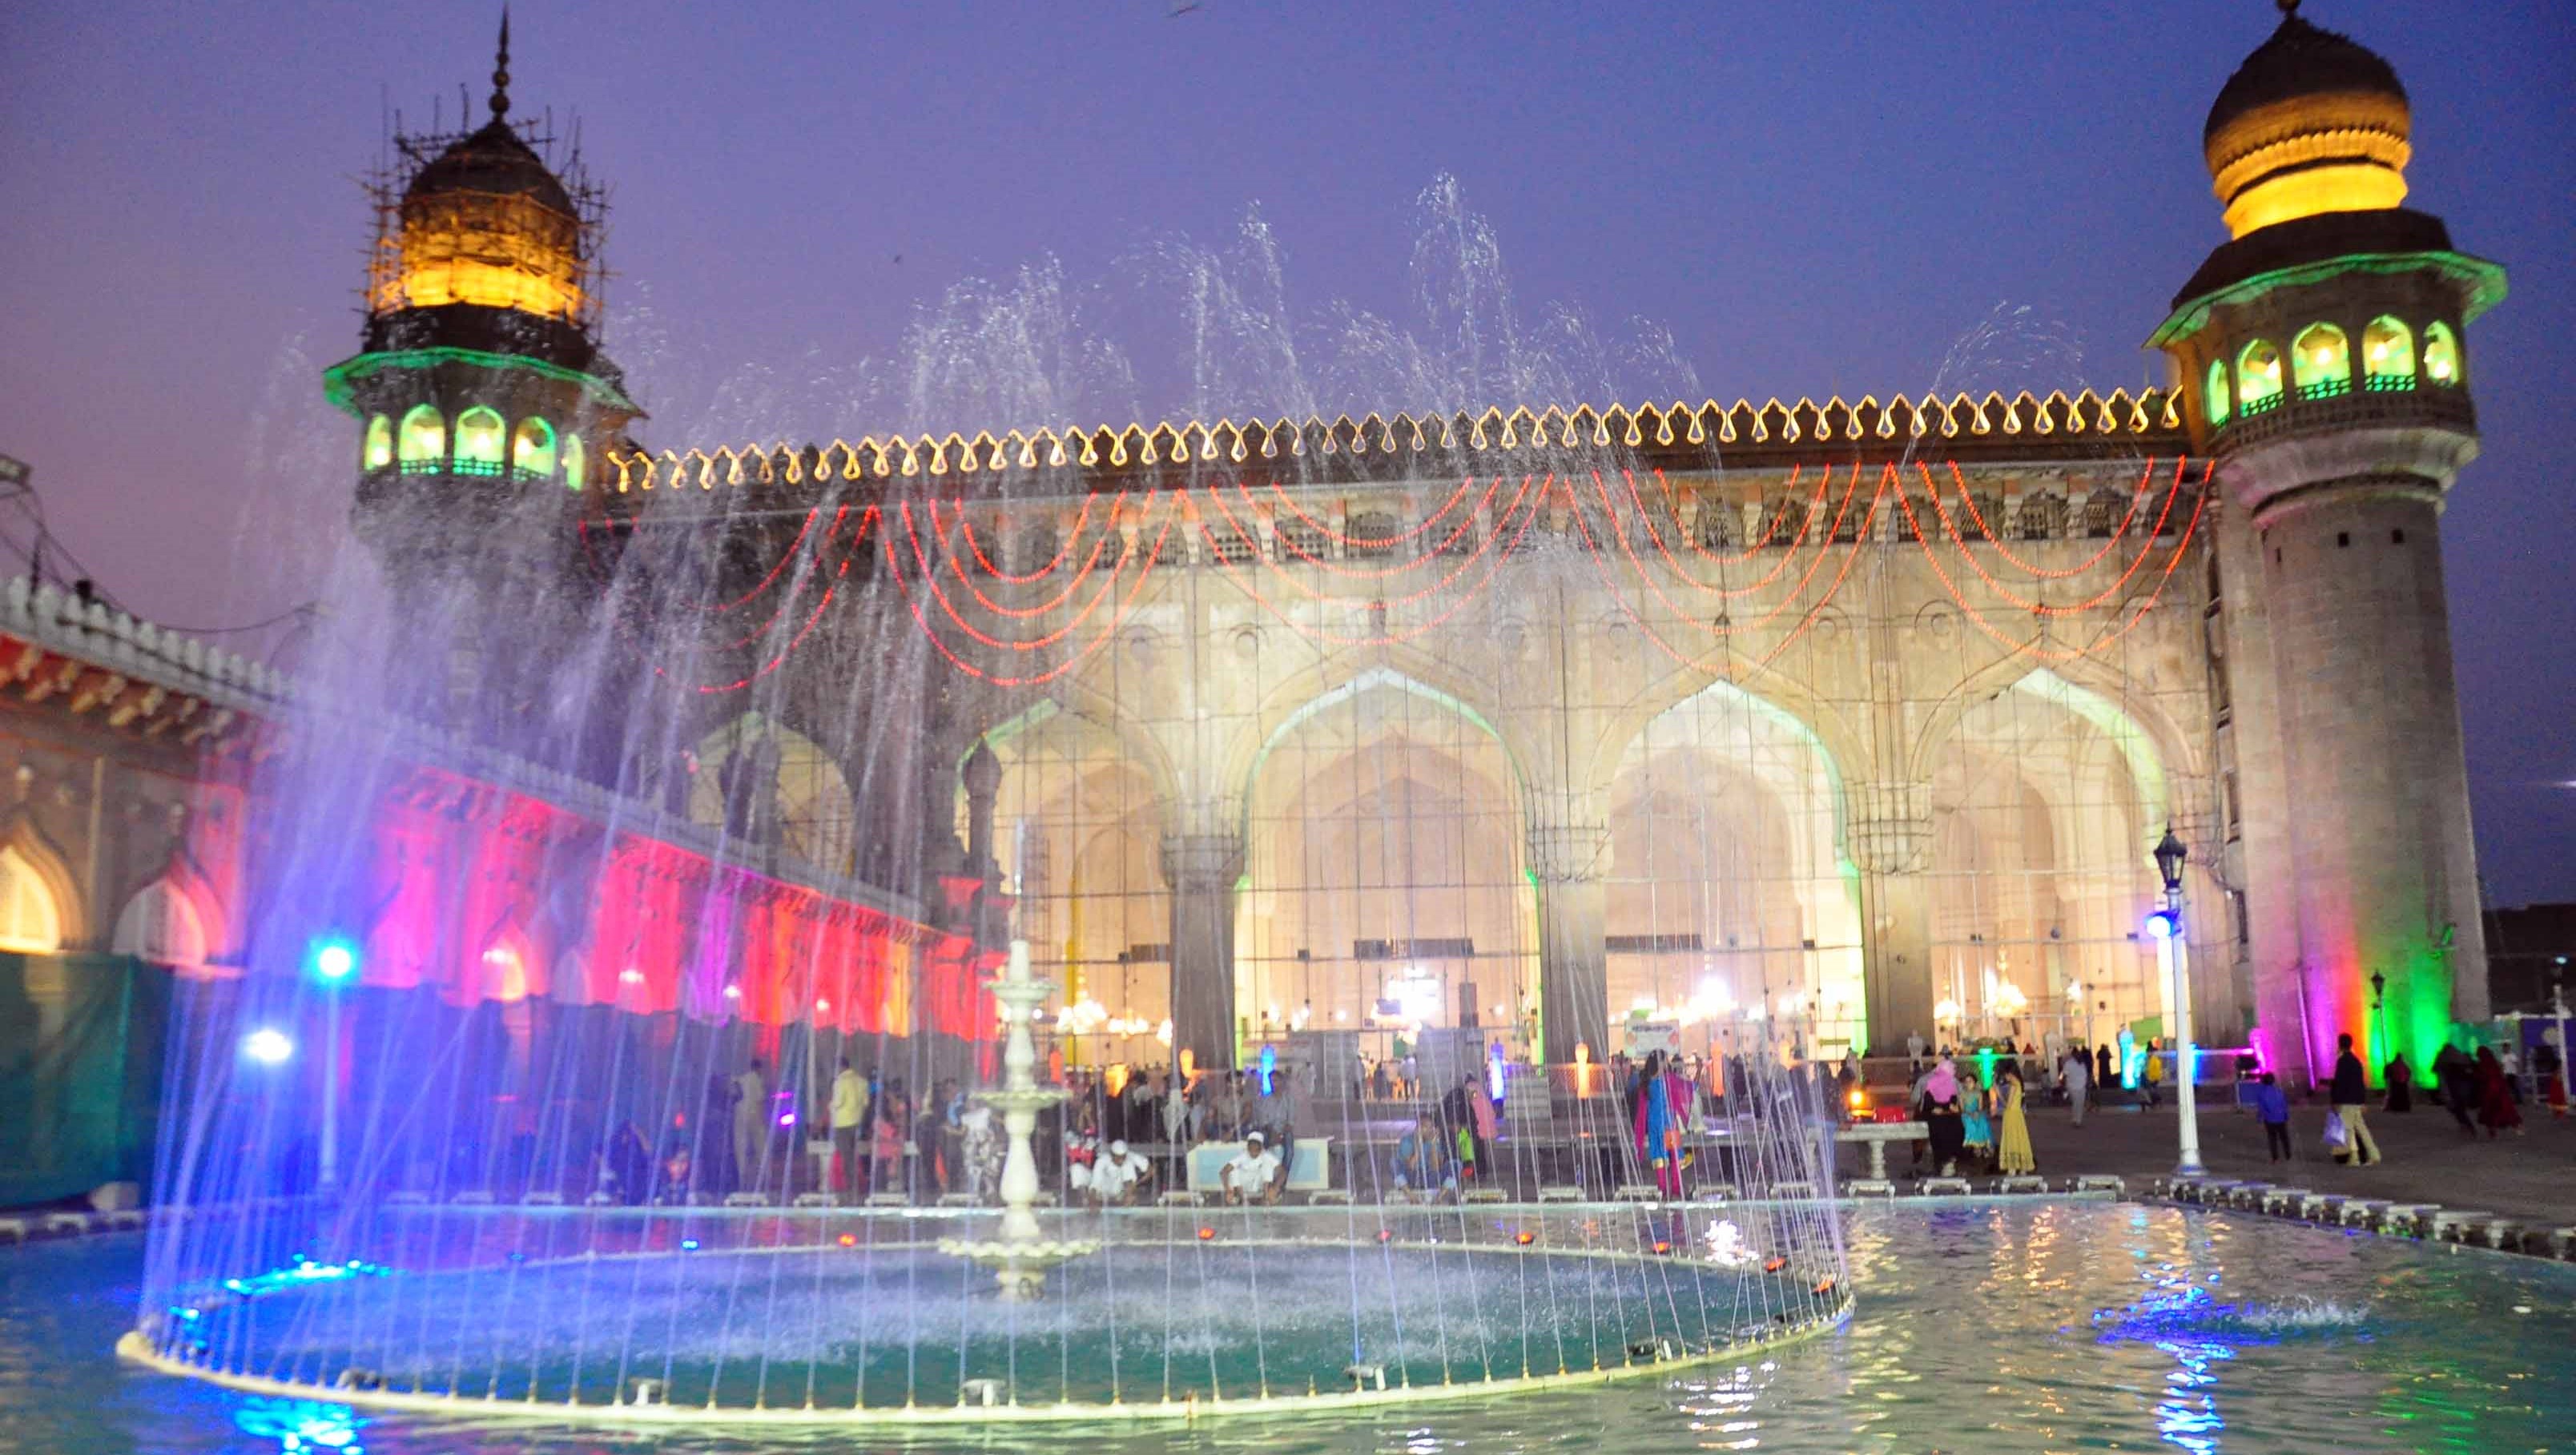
(2379, 1016)
(2167, 925)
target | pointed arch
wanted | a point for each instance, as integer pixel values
(170, 921)
(40, 902)
(758, 774)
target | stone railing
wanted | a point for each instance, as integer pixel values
(116, 641)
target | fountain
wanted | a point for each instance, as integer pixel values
(1021, 1252)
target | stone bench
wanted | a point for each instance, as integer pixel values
(1713, 1195)
(2503, 1233)
(814, 1199)
(2358, 1212)
(2024, 1182)
(1484, 1195)
(1795, 1188)
(2407, 1218)
(1560, 1194)
(67, 1224)
(17, 1230)
(2100, 1182)
(2281, 1201)
(1940, 1186)
(126, 1218)
(2562, 1242)
(888, 1199)
(1870, 1187)
(542, 1199)
(1178, 1197)
(2443, 1223)
(1329, 1197)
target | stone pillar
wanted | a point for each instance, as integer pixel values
(2348, 529)
(1571, 864)
(1891, 842)
(983, 775)
(1201, 869)
(2259, 860)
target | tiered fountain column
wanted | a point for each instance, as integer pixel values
(1021, 1253)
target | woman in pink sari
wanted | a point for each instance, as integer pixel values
(1662, 1115)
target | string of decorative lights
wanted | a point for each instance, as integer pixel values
(2146, 549)
(1995, 538)
(1791, 582)
(1117, 619)
(1353, 538)
(1770, 528)
(957, 567)
(948, 608)
(967, 526)
(1672, 505)
(865, 522)
(1729, 626)
(1289, 539)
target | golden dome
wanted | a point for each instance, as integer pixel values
(2312, 122)
(486, 222)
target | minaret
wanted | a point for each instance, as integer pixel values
(2323, 352)
(485, 406)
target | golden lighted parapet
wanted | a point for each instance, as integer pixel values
(2343, 151)
(495, 250)
(2148, 421)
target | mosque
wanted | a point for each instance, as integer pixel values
(1569, 725)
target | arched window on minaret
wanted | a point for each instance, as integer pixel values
(2387, 355)
(2258, 377)
(532, 449)
(424, 440)
(479, 436)
(576, 467)
(2216, 395)
(2321, 362)
(379, 450)
(2441, 355)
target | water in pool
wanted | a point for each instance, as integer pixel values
(1979, 1326)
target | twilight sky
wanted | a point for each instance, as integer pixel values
(1806, 199)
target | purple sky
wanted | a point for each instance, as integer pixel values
(1810, 198)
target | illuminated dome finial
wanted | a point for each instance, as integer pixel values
(2312, 122)
(486, 222)
(501, 69)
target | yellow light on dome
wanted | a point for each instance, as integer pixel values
(490, 250)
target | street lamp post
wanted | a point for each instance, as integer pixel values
(2168, 926)
(2379, 1016)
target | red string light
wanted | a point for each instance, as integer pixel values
(930, 581)
(968, 526)
(957, 567)
(1528, 504)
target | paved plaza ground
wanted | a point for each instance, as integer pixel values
(2532, 1176)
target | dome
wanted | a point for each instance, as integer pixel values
(2312, 122)
(494, 162)
(487, 223)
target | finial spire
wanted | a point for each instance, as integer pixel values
(501, 70)
(2288, 8)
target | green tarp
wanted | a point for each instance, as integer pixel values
(80, 1072)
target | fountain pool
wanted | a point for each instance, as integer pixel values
(1979, 1325)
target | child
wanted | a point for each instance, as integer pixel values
(2274, 1109)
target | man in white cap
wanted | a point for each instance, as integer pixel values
(1118, 1172)
(1253, 1174)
